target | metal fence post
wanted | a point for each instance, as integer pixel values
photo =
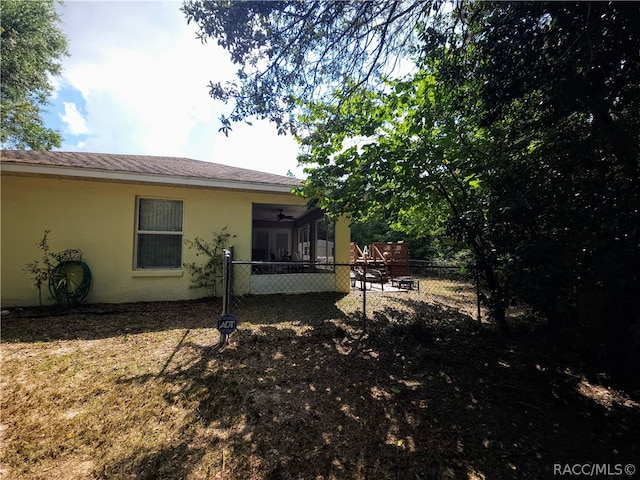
(227, 285)
(364, 292)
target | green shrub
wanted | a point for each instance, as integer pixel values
(208, 275)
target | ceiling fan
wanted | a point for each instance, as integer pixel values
(281, 216)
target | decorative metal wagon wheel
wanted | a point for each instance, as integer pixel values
(71, 279)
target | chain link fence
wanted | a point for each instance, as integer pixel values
(365, 291)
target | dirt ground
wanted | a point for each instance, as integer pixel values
(306, 389)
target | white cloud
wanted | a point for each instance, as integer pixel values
(143, 76)
(258, 147)
(75, 122)
(55, 85)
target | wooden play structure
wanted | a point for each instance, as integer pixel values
(392, 258)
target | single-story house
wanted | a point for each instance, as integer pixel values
(130, 216)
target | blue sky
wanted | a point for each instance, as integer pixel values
(136, 82)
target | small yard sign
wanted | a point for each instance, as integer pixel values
(227, 324)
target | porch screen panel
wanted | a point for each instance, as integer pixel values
(325, 242)
(304, 245)
(282, 244)
(159, 233)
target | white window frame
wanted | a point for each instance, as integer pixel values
(139, 232)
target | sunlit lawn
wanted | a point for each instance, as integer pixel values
(306, 389)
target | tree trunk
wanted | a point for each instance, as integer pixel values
(623, 146)
(497, 302)
(497, 306)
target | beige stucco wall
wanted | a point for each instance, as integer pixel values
(343, 239)
(99, 218)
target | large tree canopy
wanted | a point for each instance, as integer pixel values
(560, 85)
(534, 163)
(287, 51)
(517, 131)
(31, 48)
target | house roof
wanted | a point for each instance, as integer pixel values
(141, 168)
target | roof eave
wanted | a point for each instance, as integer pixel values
(136, 177)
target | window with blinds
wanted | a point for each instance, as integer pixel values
(158, 233)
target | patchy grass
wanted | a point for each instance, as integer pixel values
(306, 389)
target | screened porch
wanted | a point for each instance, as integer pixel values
(294, 243)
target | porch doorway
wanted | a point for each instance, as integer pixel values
(272, 245)
(292, 233)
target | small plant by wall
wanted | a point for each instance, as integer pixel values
(41, 271)
(208, 275)
(67, 277)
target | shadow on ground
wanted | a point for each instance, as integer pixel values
(305, 390)
(95, 321)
